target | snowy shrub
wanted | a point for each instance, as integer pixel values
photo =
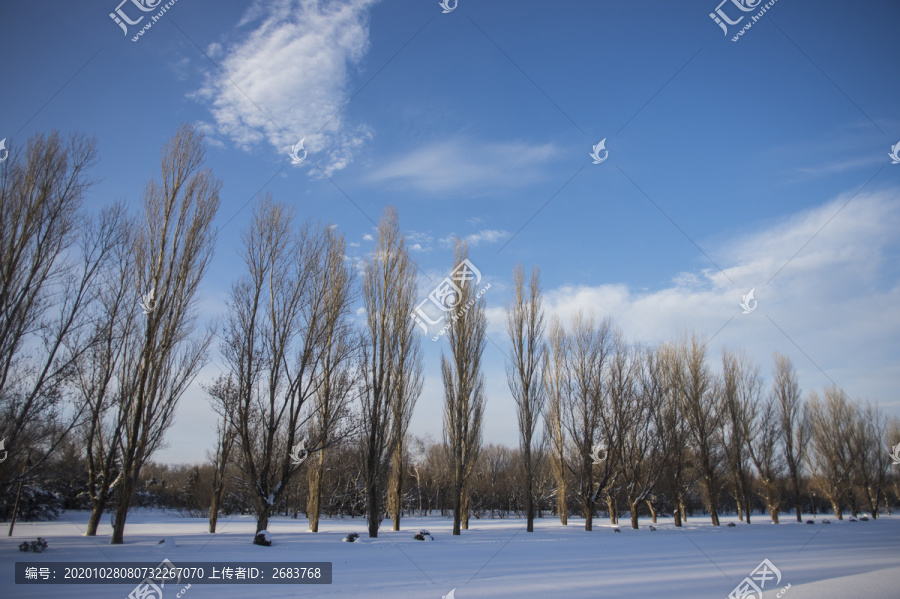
(864, 518)
(34, 546)
(262, 538)
(810, 521)
(35, 504)
(652, 528)
(852, 519)
(350, 538)
(616, 530)
(826, 521)
(731, 525)
(422, 534)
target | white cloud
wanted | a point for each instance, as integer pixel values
(294, 67)
(419, 241)
(459, 164)
(486, 236)
(836, 301)
(368, 237)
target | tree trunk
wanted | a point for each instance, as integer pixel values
(457, 509)
(262, 517)
(314, 502)
(683, 511)
(465, 510)
(125, 492)
(373, 514)
(529, 500)
(838, 513)
(396, 501)
(562, 505)
(94, 520)
(713, 508)
(634, 515)
(587, 509)
(652, 510)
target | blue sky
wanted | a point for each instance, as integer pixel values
(726, 159)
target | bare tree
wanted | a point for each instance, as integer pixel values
(98, 379)
(49, 262)
(678, 477)
(765, 442)
(638, 391)
(831, 421)
(556, 386)
(223, 396)
(702, 403)
(742, 386)
(272, 338)
(463, 387)
(589, 351)
(871, 461)
(794, 423)
(329, 424)
(525, 325)
(389, 361)
(171, 257)
(406, 383)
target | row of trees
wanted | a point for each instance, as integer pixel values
(79, 358)
(622, 421)
(314, 403)
(497, 489)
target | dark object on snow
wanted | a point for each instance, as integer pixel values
(420, 536)
(731, 525)
(864, 518)
(161, 541)
(652, 528)
(263, 538)
(810, 521)
(616, 530)
(34, 546)
(351, 538)
(852, 519)
(826, 521)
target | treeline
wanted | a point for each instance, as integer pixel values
(322, 367)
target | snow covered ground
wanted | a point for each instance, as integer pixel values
(494, 558)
